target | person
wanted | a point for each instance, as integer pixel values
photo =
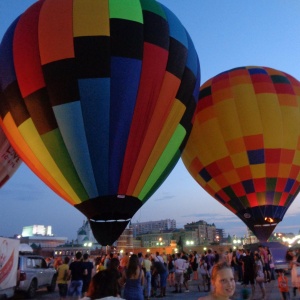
(104, 285)
(204, 273)
(180, 267)
(107, 259)
(222, 281)
(194, 264)
(229, 256)
(97, 264)
(62, 278)
(88, 265)
(147, 267)
(158, 257)
(217, 256)
(188, 271)
(239, 255)
(271, 263)
(265, 261)
(57, 262)
(160, 268)
(248, 266)
(124, 262)
(283, 285)
(210, 260)
(133, 278)
(50, 262)
(234, 264)
(141, 259)
(171, 269)
(260, 276)
(76, 272)
(294, 263)
(154, 279)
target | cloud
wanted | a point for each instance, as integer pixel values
(163, 198)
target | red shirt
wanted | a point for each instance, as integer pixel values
(283, 283)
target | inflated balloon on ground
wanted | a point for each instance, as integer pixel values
(244, 148)
(98, 98)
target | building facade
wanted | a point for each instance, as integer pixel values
(153, 226)
(40, 236)
(203, 232)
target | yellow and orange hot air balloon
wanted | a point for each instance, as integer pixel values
(244, 148)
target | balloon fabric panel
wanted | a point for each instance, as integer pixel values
(12, 91)
(55, 31)
(9, 160)
(107, 106)
(29, 72)
(233, 152)
(86, 23)
(96, 116)
(41, 114)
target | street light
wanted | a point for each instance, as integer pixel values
(88, 245)
(160, 242)
(236, 243)
(189, 243)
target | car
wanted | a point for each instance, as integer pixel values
(34, 273)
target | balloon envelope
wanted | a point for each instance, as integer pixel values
(98, 97)
(245, 142)
(9, 159)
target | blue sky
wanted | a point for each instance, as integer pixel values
(226, 34)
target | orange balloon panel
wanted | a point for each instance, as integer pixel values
(244, 145)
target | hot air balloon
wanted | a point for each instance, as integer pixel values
(97, 99)
(245, 142)
(9, 159)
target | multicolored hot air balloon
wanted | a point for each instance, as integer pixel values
(9, 159)
(97, 99)
(244, 148)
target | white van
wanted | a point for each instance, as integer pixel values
(9, 253)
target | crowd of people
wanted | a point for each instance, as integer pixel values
(139, 277)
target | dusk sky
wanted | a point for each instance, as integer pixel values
(226, 34)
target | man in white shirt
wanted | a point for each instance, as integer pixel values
(180, 267)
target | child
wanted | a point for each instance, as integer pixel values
(283, 285)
